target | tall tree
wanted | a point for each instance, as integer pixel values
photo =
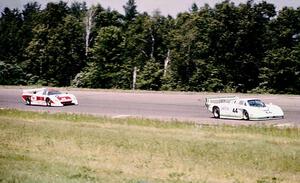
(54, 14)
(150, 77)
(194, 8)
(31, 17)
(10, 35)
(285, 29)
(251, 42)
(96, 18)
(280, 72)
(56, 53)
(11, 47)
(78, 9)
(130, 10)
(103, 70)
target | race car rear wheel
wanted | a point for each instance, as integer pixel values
(216, 112)
(28, 101)
(48, 102)
(245, 115)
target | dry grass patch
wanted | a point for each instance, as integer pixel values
(42, 147)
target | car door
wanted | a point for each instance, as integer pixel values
(39, 98)
(235, 109)
(239, 108)
(224, 109)
(227, 109)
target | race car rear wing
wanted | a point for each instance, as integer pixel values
(218, 100)
(32, 91)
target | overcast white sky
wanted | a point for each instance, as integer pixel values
(167, 7)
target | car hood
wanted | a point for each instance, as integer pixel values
(268, 110)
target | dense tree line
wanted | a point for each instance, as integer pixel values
(228, 47)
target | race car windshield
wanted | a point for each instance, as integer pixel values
(256, 103)
(54, 92)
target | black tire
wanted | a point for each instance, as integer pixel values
(48, 102)
(28, 101)
(216, 112)
(245, 115)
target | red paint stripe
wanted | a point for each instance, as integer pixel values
(40, 98)
(25, 96)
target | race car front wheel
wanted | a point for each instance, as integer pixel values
(216, 112)
(48, 102)
(245, 115)
(28, 101)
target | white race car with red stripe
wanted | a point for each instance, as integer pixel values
(48, 97)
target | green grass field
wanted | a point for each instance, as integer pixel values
(43, 147)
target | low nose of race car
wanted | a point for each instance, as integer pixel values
(64, 98)
(267, 113)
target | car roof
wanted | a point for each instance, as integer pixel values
(246, 99)
(51, 89)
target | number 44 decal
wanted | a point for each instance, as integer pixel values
(235, 110)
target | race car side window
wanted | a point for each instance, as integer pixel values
(54, 92)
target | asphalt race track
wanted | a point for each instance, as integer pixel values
(179, 106)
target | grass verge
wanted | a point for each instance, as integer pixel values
(43, 147)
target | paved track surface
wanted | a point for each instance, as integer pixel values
(157, 105)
